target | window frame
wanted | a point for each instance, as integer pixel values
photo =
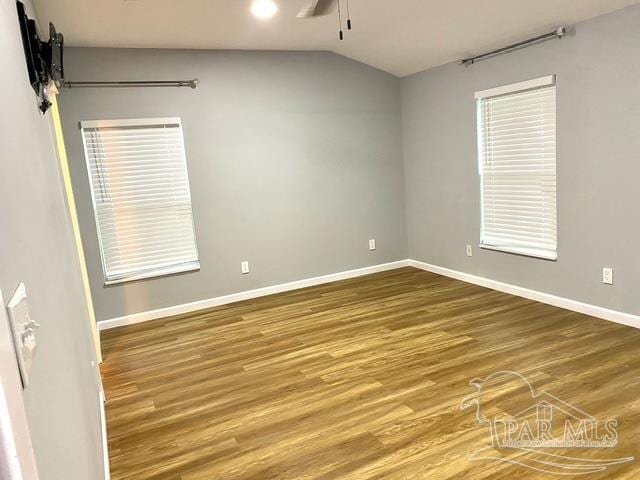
(148, 273)
(513, 88)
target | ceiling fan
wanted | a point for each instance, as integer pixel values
(318, 8)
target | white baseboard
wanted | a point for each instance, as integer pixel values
(246, 295)
(566, 303)
(105, 441)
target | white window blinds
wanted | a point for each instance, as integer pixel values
(140, 188)
(517, 155)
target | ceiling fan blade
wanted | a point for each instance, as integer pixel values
(316, 8)
(308, 10)
(325, 7)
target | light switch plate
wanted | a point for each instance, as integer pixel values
(23, 328)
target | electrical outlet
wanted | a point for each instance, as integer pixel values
(372, 244)
(244, 267)
(469, 251)
(607, 276)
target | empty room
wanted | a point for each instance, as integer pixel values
(319, 239)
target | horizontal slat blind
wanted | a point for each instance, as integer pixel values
(140, 188)
(517, 150)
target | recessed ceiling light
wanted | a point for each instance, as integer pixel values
(264, 9)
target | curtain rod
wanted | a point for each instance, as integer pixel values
(148, 83)
(558, 33)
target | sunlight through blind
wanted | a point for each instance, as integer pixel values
(140, 188)
(517, 154)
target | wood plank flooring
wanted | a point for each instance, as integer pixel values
(358, 379)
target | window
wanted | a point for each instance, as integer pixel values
(140, 188)
(517, 156)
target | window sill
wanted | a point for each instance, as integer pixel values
(155, 273)
(526, 252)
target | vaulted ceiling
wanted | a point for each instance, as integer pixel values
(398, 36)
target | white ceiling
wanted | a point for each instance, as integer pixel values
(398, 36)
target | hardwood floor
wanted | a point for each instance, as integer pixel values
(363, 379)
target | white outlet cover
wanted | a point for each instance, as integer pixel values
(244, 267)
(372, 244)
(607, 276)
(469, 251)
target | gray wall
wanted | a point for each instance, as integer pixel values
(295, 162)
(37, 247)
(598, 131)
